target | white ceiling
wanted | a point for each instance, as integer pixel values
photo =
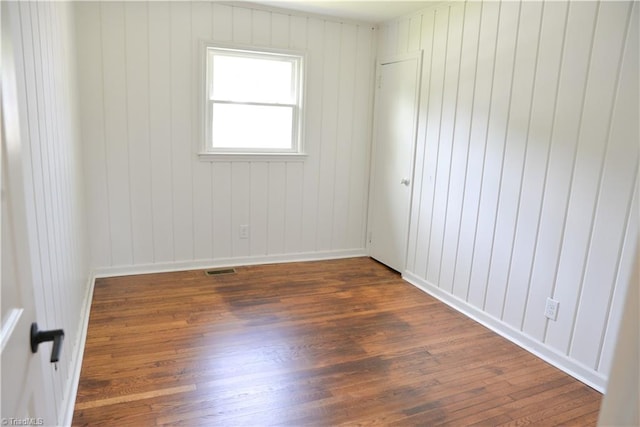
(360, 10)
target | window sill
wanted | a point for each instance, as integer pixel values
(251, 157)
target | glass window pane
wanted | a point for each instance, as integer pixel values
(252, 126)
(242, 79)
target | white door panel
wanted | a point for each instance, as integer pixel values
(24, 395)
(395, 123)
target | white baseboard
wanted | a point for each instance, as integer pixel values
(226, 262)
(71, 388)
(561, 361)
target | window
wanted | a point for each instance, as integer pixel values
(253, 102)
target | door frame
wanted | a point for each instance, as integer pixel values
(384, 60)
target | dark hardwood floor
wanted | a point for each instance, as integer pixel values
(317, 343)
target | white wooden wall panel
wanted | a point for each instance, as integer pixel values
(181, 140)
(436, 83)
(201, 28)
(615, 189)
(92, 120)
(606, 52)
(537, 151)
(460, 157)
(222, 210)
(329, 127)
(517, 128)
(417, 246)
(360, 136)
(115, 130)
(312, 140)
(488, 30)
(160, 131)
(171, 207)
(43, 43)
(564, 140)
(526, 168)
(143, 135)
(137, 67)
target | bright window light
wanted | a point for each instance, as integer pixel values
(254, 101)
(251, 126)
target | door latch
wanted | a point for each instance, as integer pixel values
(55, 335)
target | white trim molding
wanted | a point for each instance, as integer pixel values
(71, 388)
(226, 262)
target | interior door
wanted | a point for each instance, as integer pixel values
(395, 123)
(24, 397)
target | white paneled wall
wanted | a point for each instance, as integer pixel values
(152, 203)
(43, 37)
(527, 167)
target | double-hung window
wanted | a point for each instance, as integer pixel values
(253, 101)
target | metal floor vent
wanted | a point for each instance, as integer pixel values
(220, 271)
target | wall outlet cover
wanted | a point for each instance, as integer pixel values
(551, 309)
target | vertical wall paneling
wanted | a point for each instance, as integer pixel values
(137, 68)
(115, 128)
(144, 166)
(460, 155)
(222, 21)
(403, 35)
(297, 33)
(617, 175)
(448, 137)
(240, 206)
(329, 124)
(222, 210)
(201, 29)
(312, 140)
(43, 185)
(480, 111)
(579, 29)
(521, 97)
(436, 95)
(526, 169)
(260, 213)
(541, 118)
(417, 247)
(160, 130)
(499, 116)
(181, 145)
(415, 24)
(599, 92)
(90, 85)
(280, 28)
(344, 141)
(277, 191)
(293, 210)
(360, 137)
(44, 49)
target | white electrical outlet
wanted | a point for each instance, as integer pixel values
(244, 231)
(551, 309)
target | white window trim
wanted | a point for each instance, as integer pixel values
(207, 153)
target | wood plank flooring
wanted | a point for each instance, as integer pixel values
(317, 343)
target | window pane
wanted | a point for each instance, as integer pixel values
(251, 126)
(244, 79)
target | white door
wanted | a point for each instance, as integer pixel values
(24, 398)
(395, 122)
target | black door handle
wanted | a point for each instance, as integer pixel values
(55, 335)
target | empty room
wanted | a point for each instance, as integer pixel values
(320, 213)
